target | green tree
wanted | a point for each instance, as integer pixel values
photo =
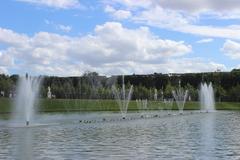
(192, 92)
(168, 91)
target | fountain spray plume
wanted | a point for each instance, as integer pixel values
(27, 93)
(142, 105)
(122, 96)
(206, 95)
(180, 96)
(168, 103)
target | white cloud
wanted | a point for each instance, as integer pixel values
(185, 15)
(110, 44)
(3, 70)
(61, 27)
(6, 60)
(133, 4)
(109, 9)
(122, 14)
(9, 37)
(118, 14)
(191, 65)
(64, 28)
(177, 65)
(201, 5)
(59, 4)
(231, 49)
(177, 21)
(197, 7)
(206, 40)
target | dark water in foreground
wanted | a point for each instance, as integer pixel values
(192, 136)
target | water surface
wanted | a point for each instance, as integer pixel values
(105, 136)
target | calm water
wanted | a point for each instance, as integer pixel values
(192, 136)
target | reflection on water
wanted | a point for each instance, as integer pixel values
(23, 143)
(197, 136)
(207, 143)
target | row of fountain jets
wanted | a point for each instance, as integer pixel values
(28, 89)
(206, 95)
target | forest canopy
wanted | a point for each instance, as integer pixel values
(93, 86)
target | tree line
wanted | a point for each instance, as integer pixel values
(93, 86)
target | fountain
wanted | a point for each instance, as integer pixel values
(122, 97)
(142, 105)
(49, 93)
(27, 92)
(206, 95)
(168, 103)
(180, 96)
(155, 96)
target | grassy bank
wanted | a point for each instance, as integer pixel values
(99, 105)
(64, 105)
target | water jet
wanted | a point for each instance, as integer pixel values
(122, 96)
(26, 100)
(180, 96)
(206, 95)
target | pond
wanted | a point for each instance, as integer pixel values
(104, 136)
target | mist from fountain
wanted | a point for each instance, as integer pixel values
(206, 96)
(180, 96)
(142, 105)
(168, 103)
(26, 100)
(122, 96)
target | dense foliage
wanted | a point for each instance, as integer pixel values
(92, 86)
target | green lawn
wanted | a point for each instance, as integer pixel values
(5, 105)
(67, 105)
(100, 105)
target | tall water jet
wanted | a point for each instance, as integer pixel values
(180, 96)
(206, 96)
(27, 93)
(122, 96)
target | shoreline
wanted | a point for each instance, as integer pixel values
(95, 105)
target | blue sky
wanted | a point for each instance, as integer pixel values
(70, 37)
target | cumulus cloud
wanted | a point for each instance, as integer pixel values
(110, 49)
(6, 60)
(184, 15)
(231, 49)
(118, 14)
(177, 65)
(109, 44)
(196, 7)
(9, 37)
(58, 4)
(201, 5)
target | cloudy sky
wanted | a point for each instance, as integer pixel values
(69, 37)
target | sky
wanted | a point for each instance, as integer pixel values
(111, 37)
